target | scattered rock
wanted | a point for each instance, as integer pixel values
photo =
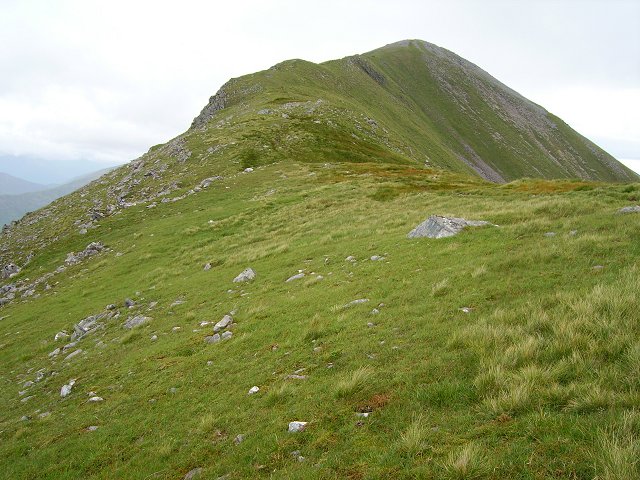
(375, 311)
(630, 209)
(363, 414)
(154, 338)
(92, 428)
(136, 321)
(111, 306)
(296, 454)
(350, 258)
(597, 267)
(226, 335)
(239, 439)
(297, 426)
(128, 303)
(212, 338)
(297, 276)
(66, 389)
(295, 376)
(9, 270)
(24, 418)
(96, 399)
(466, 309)
(222, 324)
(253, 390)
(246, 276)
(550, 234)
(44, 414)
(92, 249)
(209, 363)
(176, 329)
(377, 258)
(55, 353)
(207, 266)
(248, 170)
(437, 226)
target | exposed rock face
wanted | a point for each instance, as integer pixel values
(216, 103)
(246, 276)
(222, 324)
(440, 227)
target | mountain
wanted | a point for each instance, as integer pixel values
(14, 206)
(10, 185)
(256, 298)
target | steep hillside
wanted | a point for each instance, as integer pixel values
(510, 350)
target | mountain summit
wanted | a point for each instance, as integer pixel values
(410, 101)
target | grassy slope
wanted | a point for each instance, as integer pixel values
(538, 381)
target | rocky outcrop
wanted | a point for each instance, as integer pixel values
(440, 227)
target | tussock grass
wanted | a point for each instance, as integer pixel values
(617, 451)
(466, 463)
(353, 382)
(414, 439)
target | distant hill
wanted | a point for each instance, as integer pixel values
(14, 206)
(10, 185)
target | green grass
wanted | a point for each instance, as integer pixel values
(539, 380)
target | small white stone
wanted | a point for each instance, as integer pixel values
(96, 399)
(66, 389)
(253, 390)
(154, 338)
(297, 426)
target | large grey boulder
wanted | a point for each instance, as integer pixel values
(246, 276)
(630, 209)
(437, 226)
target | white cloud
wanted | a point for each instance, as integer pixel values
(106, 80)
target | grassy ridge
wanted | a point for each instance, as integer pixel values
(539, 380)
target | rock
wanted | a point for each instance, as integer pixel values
(466, 309)
(437, 226)
(96, 399)
(573, 233)
(209, 363)
(44, 414)
(356, 302)
(154, 338)
(128, 303)
(297, 276)
(135, 321)
(239, 439)
(9, 270)
(213, 338)
(246, 276)
(296, 454)
(111, 307)
(86, 326)
(55, 352)
(363, 414)
(73, 354)
(66, 389)
(222, 324)
(295, 376)
(629, 209)
(226, 335)
(176, 329)
(207, 266)
(253, 390)
(28, 384)
(195, 473)
(297, 426)
(371, 324)
(60, 335)
(92, 428)
(597, 267)
(248, 170)
(375, 311)
(26, 399)
(550, 234)
(377, 258)
(350, 258)
(24, 418)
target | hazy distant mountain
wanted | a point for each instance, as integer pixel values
(14, 206)
(46, 171)
(10, 185)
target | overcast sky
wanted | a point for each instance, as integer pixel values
(103, 81)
